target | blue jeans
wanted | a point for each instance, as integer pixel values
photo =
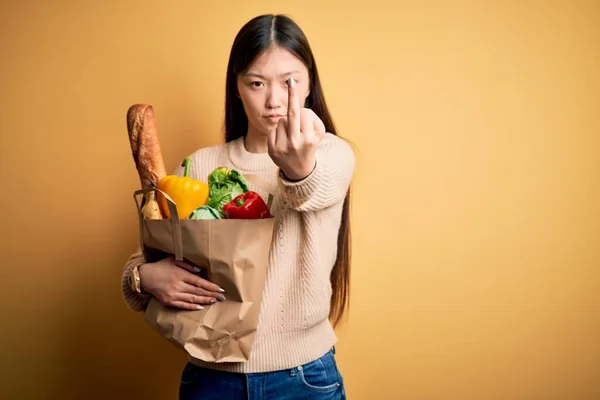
(318, 380)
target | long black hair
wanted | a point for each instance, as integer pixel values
(256, 36)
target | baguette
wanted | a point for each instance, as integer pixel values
(145, 146)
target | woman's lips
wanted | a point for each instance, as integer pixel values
(273, 118)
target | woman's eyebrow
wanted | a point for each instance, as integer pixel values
(254, 74)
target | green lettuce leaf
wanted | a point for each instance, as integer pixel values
(205, 212)
(224, 185)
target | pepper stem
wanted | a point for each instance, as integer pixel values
(186, 164)
(239, 202)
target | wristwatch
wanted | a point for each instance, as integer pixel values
(134, 279)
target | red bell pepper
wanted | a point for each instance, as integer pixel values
(247, 206)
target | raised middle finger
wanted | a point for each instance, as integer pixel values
(293, 111)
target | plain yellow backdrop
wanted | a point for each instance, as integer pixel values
(476, 209)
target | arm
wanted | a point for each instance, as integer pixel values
(315, 167)
(329, 181)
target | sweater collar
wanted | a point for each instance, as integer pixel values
(244, 160)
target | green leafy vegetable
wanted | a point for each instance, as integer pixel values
(205, 212)
(224, 185)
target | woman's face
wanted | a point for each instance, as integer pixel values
(263, 88)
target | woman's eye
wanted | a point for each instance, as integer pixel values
(256, 84)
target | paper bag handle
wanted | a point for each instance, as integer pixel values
(174, 218)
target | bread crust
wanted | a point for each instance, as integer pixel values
(145, 146)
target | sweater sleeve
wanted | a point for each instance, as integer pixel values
(135, 301)
(329, 181)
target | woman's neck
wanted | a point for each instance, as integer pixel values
(249, 154)
(255, 141)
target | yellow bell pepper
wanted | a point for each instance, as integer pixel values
(187, 193)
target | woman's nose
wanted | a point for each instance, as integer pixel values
(275, 98)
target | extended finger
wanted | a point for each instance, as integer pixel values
(202, 293)
(281, 133)
(272, 140)
(203, 284)
(195, 299)
(293, 111)
(186, 305)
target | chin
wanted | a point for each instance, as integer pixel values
(263, 129)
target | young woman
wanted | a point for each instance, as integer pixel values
(277, 126)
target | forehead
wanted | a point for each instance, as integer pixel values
(275, 61)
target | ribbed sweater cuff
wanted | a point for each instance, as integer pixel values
(299, 192)
(134, 300)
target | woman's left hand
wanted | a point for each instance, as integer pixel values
(293, 144)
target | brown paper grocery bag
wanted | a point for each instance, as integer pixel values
(234, 254)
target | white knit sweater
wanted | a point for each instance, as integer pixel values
(293, 325)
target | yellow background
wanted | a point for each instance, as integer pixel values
(476, 212)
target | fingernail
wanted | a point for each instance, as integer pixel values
(199, 307)
(221, 290)
(291, 82)
(221, 297)
(213, 301)
(197, 269)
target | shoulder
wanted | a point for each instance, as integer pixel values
(336, 146)
(335, 141)
(204, 160)
(209, 152)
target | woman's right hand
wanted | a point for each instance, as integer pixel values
(175, 283)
